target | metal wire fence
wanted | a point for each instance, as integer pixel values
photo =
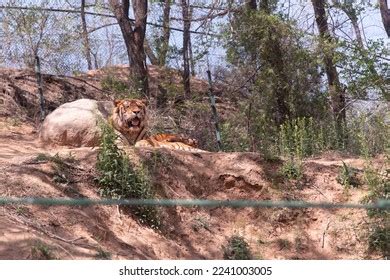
(380, 204)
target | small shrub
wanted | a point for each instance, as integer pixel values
(57, 159)
(120, 88)
(292, 169)
(120, 179)
(41, 251)
(199, 223)
(102, 254)
(379, 189)
(296, 137)
(283, 244)
(15, 121)
(63, 166)
(348, 176)
(237, 249)
(234, 138)
(380, 240)
(362, 135)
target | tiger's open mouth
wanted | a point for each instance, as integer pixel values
(135, 122)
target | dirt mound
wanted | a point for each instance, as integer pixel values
(19, 92)
(188, 233)
(30, 170)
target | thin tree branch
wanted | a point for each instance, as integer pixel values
(102, 15)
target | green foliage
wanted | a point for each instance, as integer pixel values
(234, 137)
(120, 179)
(285, 102)
(297, 138)
(101, 254)
(248, 130)
(281, 73)
(41, 251)
(63, 166)
(364, 71)
(348, 176)
(33, 32)
(283, 244)
(302, 137)
(292, 169)
(380, 240)
(379, 189)
(120, 88)
(368, 135)
(237, 249)
(200, 222)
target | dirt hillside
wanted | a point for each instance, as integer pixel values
(37, 232)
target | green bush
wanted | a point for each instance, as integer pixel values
(120, 179)
(234, 139)
(379, 189)
(236, 249)
(380, 240)
(41, 251)
(120, 88)
(348, 176)
(292, 169)
(303, 137)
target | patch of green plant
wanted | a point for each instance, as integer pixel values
(41, 157)
(157, 159)
(379, 189)
(232, 140)
(377, 192)
(63, 166)
(283, 244)
(41, 251)
(199, 223)
(379, 240)
(237, 249)
(113, 84)
(120, 88)
(15, 121)
(368, 135)
(292, 169)
(57, 159)
(348, 176)
(21, 210)
(101, 254)
(119, 178)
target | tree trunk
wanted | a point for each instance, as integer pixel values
(186, 40)
(264, 6)
(192, 61)
(251, 4)
(273, 56)
(385, 13)
(358, 34)
(164, 47)
(337, 94)
(134, 39)
(87, 48)
(149, 52)
(350, 11)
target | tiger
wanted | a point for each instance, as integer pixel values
(129, 117)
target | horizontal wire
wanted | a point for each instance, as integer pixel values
(380, 204)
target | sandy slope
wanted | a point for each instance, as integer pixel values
(188, 233)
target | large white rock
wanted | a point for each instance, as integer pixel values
(75, 123)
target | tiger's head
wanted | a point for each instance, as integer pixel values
(129, 118)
